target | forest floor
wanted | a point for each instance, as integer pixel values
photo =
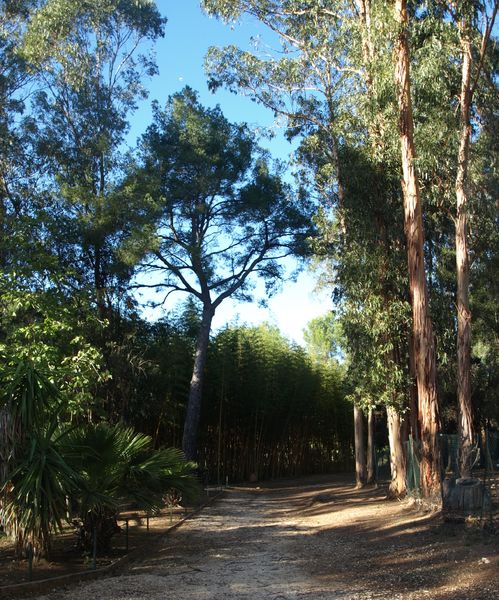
(312, 539)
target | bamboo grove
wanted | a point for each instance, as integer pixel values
(269, 409)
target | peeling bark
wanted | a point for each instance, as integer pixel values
(360, 453)
(424, 345)
(398, 485)
(371, 449)
(462, 264)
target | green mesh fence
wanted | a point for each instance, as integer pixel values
(449, 455)
(491, 451)
(382, 463)
(412, 451)
(485, 462)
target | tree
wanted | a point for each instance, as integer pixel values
(86, 59)
(328, 63)
(465, 16)
(88, 62)
(324, 338)
(424, 342)
(220, 216)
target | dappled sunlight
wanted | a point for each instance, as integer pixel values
(295, 537)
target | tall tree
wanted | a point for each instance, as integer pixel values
(90, 67)
(465, 15)
(327, 64)
(422, 325)
(220, 216)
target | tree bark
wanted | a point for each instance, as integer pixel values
(462, 264)
(371, 450)
(398, 485)
(360, 454)
(193, 413)
(413, 392)
(424, 345)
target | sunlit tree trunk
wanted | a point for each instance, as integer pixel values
(360, 453)
(398, 486)
(371, 449)
(462, 263)
(424, 345)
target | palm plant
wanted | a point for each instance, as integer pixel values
(35, 495)
(35, 480)
(49, 470)
(118, 466)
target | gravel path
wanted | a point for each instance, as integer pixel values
(319, 542)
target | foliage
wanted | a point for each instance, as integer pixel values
(327, 69)
(98, 466)
(274, 410)
(218, 211)
(325, 339)
(35, 480)
(118, 466)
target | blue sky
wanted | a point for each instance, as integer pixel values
(180, 58)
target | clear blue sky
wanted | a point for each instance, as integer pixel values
(180, 57)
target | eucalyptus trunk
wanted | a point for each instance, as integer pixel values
(398, 485)
(371, 449)
(360, 453)
(413, 393)
(463, 265)
(193, 412)
(424, 344)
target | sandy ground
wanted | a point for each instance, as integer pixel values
(312, 541)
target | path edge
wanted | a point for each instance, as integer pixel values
(52, 583)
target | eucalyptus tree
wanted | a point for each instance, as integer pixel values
(329, 79)
(422, 326)
(90, 70)
(220, 215)
(15, 160)
(468, 16)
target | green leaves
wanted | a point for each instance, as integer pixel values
(276, 409)
(28, 394)
(98, 466)
(36, 492)
(117, 465)
(57, 29)
(221, 212)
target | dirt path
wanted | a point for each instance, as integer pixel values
(319, 541)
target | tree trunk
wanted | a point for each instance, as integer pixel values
(398, 486)
(99, 283)
(424, 345)
(462, 264)
(193, 413)
(360, 454)
(371, 450)
(413, 392)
